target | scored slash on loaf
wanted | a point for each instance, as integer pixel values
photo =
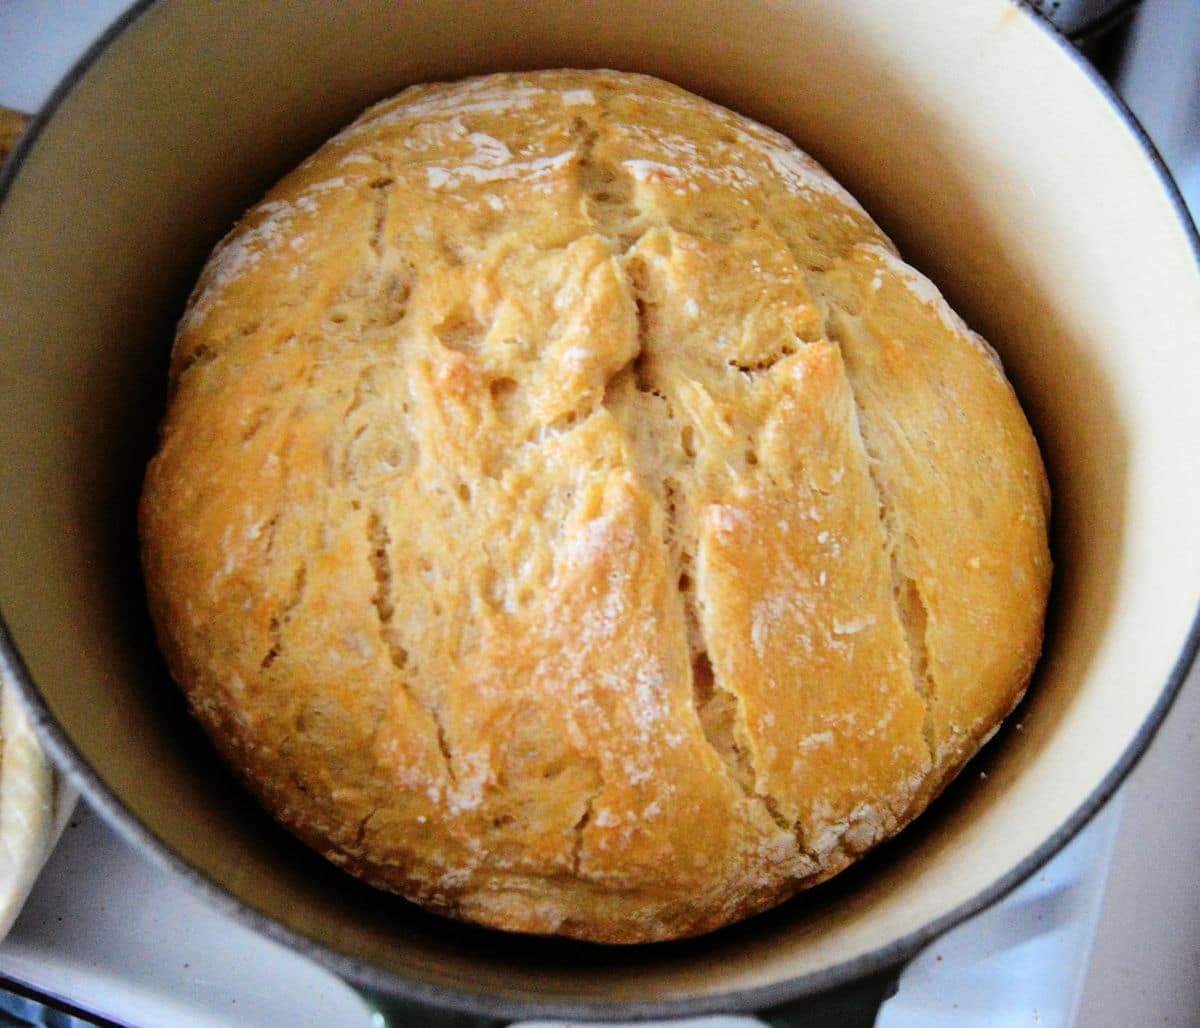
(572, 514)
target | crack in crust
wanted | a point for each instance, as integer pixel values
(380, 541)
(283, 614)
(200, 355)
(380, 187)
(379, 544)
(360, 830)
(914, 619)
(608, 188)
(909, 605)
(719, 710)
(577, 833)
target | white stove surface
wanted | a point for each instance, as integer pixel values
(109, 932)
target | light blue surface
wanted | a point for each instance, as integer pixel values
(112, 933)
(41, 39)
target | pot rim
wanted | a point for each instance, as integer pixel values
(358, 973)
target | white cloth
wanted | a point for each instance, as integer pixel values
(35, 805)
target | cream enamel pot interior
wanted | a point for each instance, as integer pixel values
(1048, 225)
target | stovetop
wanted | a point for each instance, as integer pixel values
(113, 933)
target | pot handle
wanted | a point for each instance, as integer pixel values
(392, 1012)
(855, 1005)
(852, 1006)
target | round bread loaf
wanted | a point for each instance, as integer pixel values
(572, 514)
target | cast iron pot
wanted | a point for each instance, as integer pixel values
(998, 162)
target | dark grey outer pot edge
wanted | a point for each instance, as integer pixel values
(130, 828)
(1105, 20)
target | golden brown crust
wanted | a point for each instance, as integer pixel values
(573, 516)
